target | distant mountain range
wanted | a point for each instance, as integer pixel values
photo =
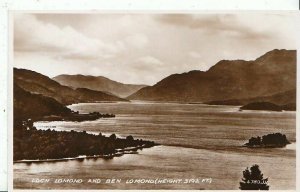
(272, 73)
(269, 78)
(37, 83)
(98, 83)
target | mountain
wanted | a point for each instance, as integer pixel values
(37, 83)
(28, 105)
(88, 95)
(282, 98)
(272, 73)
(99, 84)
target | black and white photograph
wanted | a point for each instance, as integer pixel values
(174, 101)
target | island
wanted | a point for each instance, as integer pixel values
(75, 116)
(267, 106)
(262, 106)
(273, 140)
(281, 101)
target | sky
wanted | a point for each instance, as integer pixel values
(144, 48)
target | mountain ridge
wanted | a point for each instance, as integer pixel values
(98, 83)
(37, 83)
(271, 73)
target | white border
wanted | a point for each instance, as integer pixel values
(298, 109)
(108, 6)
(154, 5)
(3, 97)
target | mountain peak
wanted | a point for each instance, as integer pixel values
(277, 53)
(273, 72)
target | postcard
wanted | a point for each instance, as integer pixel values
(174, 101)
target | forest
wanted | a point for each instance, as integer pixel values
(33, 144)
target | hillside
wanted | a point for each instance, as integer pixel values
(33, 144)
(28, 105)
(88, 95)
(40, 84)
(272, 73)
(99, 84)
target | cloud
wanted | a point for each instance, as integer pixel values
(150, 60)
(32, 35)
(194, 55)
(144, 48)
(137, 40)
(211, 24)
(148, 63)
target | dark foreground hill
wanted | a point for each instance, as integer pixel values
(33, 144)
(27, 105)
(40, 84)
(98, 83)
(272, 73)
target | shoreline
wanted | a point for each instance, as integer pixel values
(118, 153)
(133, 150)
(150, 102)
(181, 103)
(77, 117)
(53, 144)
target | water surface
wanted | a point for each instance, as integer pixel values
(198, 141)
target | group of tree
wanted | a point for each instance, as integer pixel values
(33, 144)
(269, 140)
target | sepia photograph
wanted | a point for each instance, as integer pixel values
(174, 101)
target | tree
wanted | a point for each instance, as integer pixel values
(130, 138)
(113, 136)
(253, 179)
